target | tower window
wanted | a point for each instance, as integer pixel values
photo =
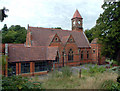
(73, 22)
(70, 55)
(79, 22)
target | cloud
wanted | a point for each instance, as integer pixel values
(50, 13)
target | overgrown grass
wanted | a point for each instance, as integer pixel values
(90, 79)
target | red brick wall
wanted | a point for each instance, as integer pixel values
(97, 55)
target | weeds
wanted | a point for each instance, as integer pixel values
(111, 85)
(66, 72)
(95, 78)
(93, 70)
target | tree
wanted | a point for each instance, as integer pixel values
(14, 34)
(5, 28)
(89, 34)
(57, 28)
(108, 30)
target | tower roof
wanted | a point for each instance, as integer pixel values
(77, 14)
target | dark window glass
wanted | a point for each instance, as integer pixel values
(25, 67)
(93, 50)
(57, 58)
(87, 54)
(40, 66)
(70, 55)
(81, 54)
(11, 69)
(56, 39)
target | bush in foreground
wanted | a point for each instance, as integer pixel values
(19, 83)
(111, 85)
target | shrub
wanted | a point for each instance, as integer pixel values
(84, 72)
(66, 72)
(111, 85)
(96, 69)
(56, 74)
(19, 83)
(118, 79)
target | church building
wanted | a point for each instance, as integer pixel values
(48, 48)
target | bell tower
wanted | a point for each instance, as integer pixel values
(77, 22)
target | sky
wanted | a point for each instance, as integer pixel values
(50, 13)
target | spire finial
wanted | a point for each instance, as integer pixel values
(77, 14)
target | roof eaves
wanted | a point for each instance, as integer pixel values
(86, 39)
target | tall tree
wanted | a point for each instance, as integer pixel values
(5, 28)
(14, 34)
(108, 29)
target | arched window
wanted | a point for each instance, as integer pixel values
(57, 58)
(81, 54)
(70, 55)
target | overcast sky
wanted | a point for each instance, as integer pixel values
(50, 13)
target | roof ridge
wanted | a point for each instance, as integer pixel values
(51, 29)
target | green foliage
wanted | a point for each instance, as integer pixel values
(4, 57)
(5, 27)
(91, 34)
(19, 83)
(108, 25)
(57, 28)
(112, 62)
(15, 34)
(96, 69)
(66, 71)
(56, 74)
(111, 85)
(93, 70)
(84, 72)
(107, 30)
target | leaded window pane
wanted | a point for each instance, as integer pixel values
(25, 67)
(70, 55)
(40, 66)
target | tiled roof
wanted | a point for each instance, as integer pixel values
(22, 53)
(51, 53)
(77, 14)
(64, 39)
(42, 36)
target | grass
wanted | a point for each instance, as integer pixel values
(74, 82)
(91, 79)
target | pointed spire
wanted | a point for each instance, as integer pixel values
(77, 14)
